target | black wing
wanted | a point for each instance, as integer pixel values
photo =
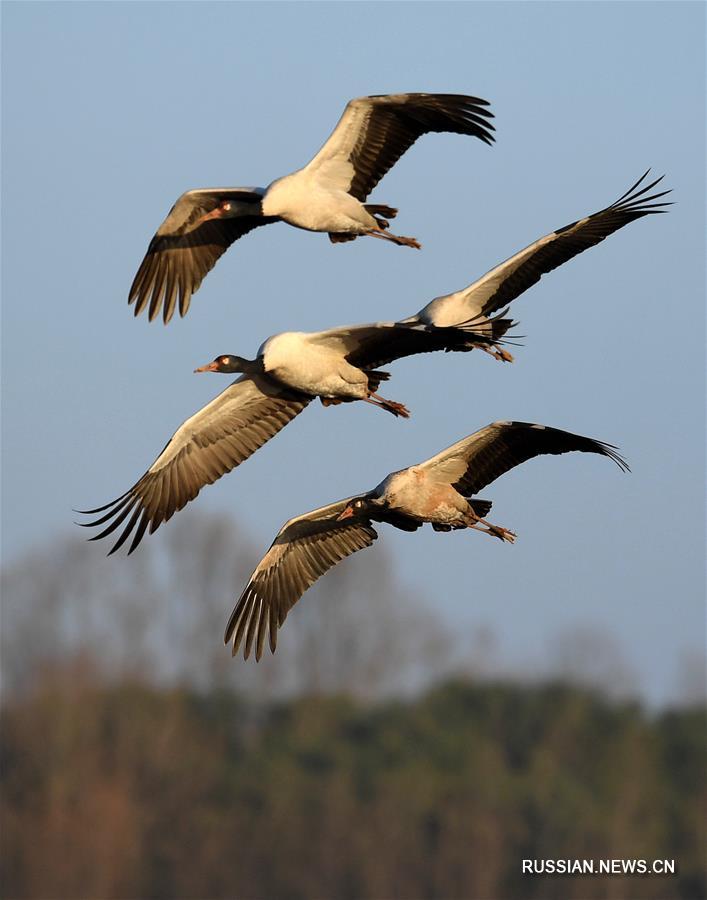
(182, 251)
(477, 460)
(369, 346)
(512, 278)
(304, 549)
(211, 443)
(374, 132)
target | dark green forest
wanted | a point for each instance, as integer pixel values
(375, 756)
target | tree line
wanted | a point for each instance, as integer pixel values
(362, 761)
(131, 791)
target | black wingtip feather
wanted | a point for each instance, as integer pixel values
(636, 198)
(634, 186)
(98, 509)
(144, 521)
(109, 515)
(611, 452)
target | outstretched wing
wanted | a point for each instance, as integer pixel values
(184, 250)
(369, 346)
(477, 460)
(374, 132)
(511, 278)
(304, 549)
(215, 440)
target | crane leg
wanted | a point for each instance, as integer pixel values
(397, 409)
(497, 352)
(502, 534)
(395, 238)
(498, 531)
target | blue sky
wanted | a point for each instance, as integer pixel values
(110, 111)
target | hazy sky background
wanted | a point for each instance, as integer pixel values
(110, 111)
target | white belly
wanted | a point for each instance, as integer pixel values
(294, 360)
(301, 201)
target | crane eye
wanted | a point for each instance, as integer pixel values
(226, 205)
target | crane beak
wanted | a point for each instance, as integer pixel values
(346, 514)
(209, 367)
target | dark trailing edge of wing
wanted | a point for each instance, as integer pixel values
(509, 444)
(573, 239)
(392, 128)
